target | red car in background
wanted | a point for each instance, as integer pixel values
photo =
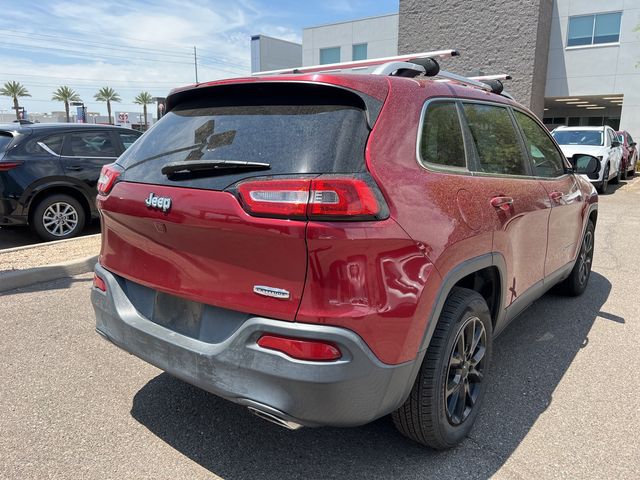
(326, 249)
(629, 154)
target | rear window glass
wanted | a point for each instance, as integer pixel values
(294, 134)
(5, 140)
(578, 137)
(442, 142)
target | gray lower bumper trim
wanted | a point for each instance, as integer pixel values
(353, 390)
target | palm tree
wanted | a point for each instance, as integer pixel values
(107, 94)
(15, 90)
(66, 95)
(144, 99)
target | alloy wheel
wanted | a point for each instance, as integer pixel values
(585, 258)
(60, 219)
(465, 371)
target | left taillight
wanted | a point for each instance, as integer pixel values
(108, 177)
(6, 166)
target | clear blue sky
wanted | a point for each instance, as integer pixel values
(145, 44)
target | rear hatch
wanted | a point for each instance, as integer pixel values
(174, 221)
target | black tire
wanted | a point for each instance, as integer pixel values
(616, 179)
(576, 283)
(624, 174)
(425, 416)
(71, 223)
(602, 190)
(631, 173)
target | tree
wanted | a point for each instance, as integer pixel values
(14, 90)
(144, 99)
(107, 94)
(66, 95)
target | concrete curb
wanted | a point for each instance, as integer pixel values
(47, 244)
(12, 279)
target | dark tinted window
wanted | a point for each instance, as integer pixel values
(442, 142)
(578, 137)
(5, 140)
(90, 144)
(128, 138)
(53, 142)
(303, 131)
(547, 161)
(495, 139)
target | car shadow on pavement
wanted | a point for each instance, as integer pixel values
(530, 359)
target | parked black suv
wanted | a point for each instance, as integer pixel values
(49, 172)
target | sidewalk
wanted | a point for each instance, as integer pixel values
(23, 266)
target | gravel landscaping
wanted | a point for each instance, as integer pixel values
(49, 253)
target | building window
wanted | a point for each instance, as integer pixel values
(329, 55)
(594, 29)
(359, 52)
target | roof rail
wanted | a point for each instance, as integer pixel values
(361, 63)
(409, 65)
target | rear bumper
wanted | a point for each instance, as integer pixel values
(353, 390)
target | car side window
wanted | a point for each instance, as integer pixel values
(441, 142)
(53, 142)
(90, 144)
(128, 138)
(547, 161)
(495, 139)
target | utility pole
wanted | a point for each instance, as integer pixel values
(195, 62)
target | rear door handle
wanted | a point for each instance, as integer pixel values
(502, 203)
(75, 168)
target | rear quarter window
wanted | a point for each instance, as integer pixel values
(5, 140)
(441, 140)
(52, 142)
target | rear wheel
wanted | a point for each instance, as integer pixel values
(58, 217)
(448, 391)
(576, 283)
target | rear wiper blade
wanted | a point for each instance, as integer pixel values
(211, 166)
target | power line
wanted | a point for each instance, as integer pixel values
(114, 46)
(74, 53)
(85, 79)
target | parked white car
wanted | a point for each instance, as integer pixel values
(601, 142)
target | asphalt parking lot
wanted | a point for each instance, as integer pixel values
(563, 400)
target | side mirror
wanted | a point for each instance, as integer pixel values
(585, 164)
(615, 143)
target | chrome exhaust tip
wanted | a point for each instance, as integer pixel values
(270, 417)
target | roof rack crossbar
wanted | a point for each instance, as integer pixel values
(445, 76)
(361, 63)
(391, 67)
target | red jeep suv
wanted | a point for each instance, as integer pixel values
(330, 248)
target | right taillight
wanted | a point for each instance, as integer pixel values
(327, 197)
(108, 177)
(6, 166)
